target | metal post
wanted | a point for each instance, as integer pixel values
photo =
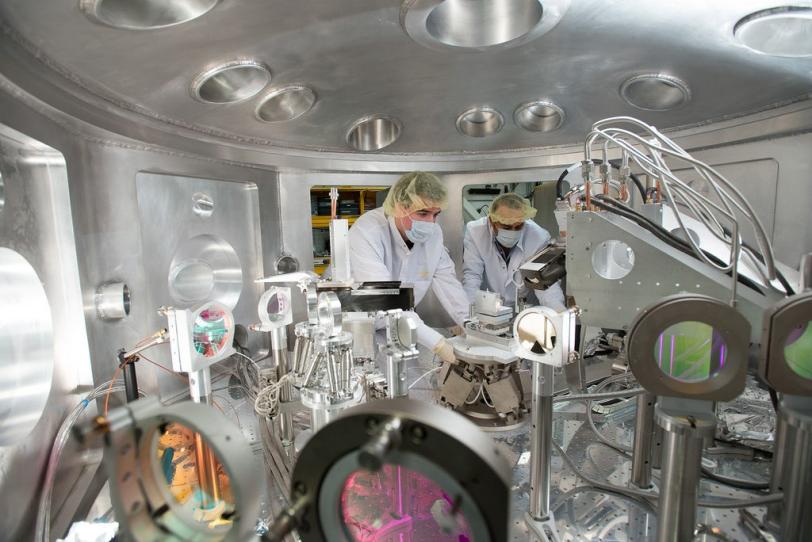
(797, 521)
(784, 442)
(205, 461)
(541, 441)
(643, 441)
(279, 353)
(396, 377)
(130, 377)
(682, 456)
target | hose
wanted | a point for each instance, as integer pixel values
(43, 524)
(559, 184)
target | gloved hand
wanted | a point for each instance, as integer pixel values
(444, 351)
(456, 331)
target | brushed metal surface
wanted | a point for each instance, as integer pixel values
(359, 59)
(36, 223)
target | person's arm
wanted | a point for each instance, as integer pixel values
(449, 290)
(552, 297)
(367, 257)
(473, 267)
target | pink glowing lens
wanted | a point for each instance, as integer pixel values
(396, 504)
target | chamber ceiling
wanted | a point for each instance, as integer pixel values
(357, 61)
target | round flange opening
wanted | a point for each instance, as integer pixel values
(480, 122)
(145, 14)
(539, 116)
(482, 23)
(655, 92)
(26, 348)
(205, 268)
(613, 259)
(373, 133)
(232, 82)
(286, 103)
(798, 350)
(780, 31)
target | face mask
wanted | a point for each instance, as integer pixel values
(508, 238)
(420, 232)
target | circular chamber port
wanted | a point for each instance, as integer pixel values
(690, 351)
(145, 14)
(373, 133)
(480, 122)
(26, 348)
(780, 31)
(798, 350)
(482, 23)
(286, 264)
(655, 92)
(613, 259)
(113, 301)
(372, 507)
(539, 116)
(286, 103)
(231, 82)
(205, 268)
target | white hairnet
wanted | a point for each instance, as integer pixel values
(510, 209)
(413, 192)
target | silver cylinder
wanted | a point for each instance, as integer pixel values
(784, 441)
(805, 280)
(681, 462)
(279, 354)
(797, 521)
(643, 441)
(541, 416)
(396, 376)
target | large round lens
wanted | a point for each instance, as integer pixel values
(396, 503)
(690, 351)
(210, 332)
(194, 477)
(536, 333)
(798, 350)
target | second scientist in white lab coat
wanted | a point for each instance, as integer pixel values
(495, 247)
(401, 241)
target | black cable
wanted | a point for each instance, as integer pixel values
(559, 192)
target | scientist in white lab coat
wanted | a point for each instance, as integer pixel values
(496, 246)
(402, 241)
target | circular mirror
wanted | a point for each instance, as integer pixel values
(536, 333)
(397, 503)
(613, 259)
(192, 478)
(210, 332)
(798, 350)
(690, 351)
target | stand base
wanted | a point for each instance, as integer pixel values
(542, 530)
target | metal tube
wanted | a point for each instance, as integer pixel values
(643, 440)
(685, 430)
(312, 368)
(541, 416)
(805, 279)
(682, 454)
(797, 521)
(130, 382)
(784, 442)
(396, 380)
(279, 352)
(331, 372)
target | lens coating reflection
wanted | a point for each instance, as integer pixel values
(194, 477)
(690, 351)
(536, 333)
(798, 350)
(397, 503)
(210, 332)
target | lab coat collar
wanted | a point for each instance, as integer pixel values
(399, 242)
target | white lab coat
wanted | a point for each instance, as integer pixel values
(378, 252)
(484, 267)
